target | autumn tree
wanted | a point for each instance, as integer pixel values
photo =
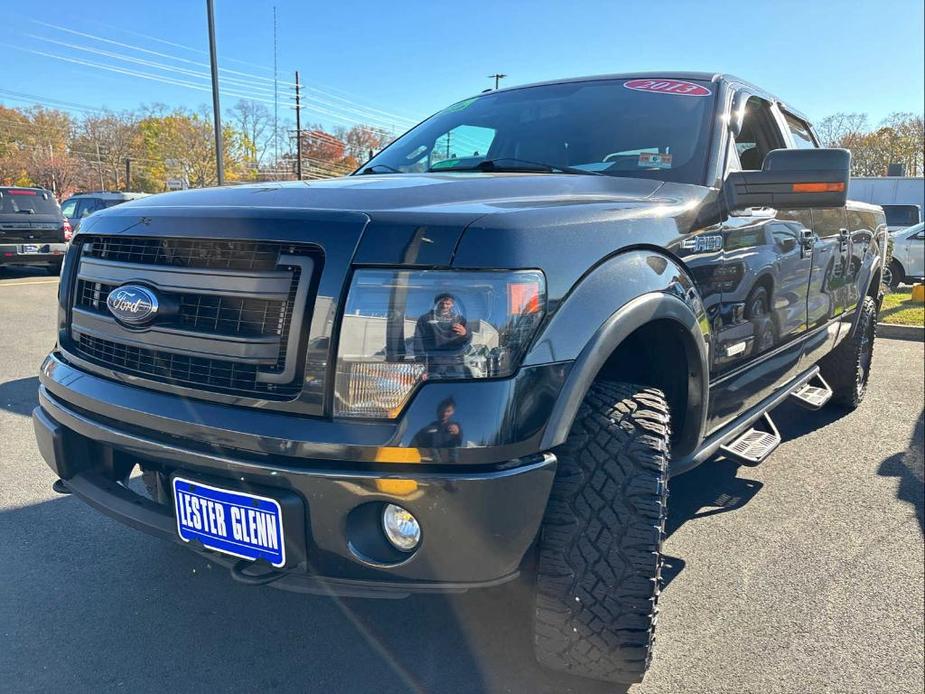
(898, 139)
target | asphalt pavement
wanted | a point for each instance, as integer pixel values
(802, 574)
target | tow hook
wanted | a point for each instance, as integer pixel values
(238, 574)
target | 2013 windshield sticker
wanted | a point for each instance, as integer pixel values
(654, 160)
(676, 87)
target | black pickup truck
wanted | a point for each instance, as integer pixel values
(482, 354)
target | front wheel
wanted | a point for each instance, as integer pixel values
(600, 545)
(847, 368)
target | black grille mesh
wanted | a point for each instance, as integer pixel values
(204, 313)
(200, 253)
(181, 370)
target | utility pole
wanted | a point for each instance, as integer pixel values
(128, 173)
(298, 128)
(498, 77)
(216, 106)
(99, 165)
(275, 98)
(51, 160)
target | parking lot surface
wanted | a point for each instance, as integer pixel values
(803, 574)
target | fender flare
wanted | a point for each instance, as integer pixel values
(635, 314)
(875, 264)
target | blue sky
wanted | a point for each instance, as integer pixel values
(395, 62)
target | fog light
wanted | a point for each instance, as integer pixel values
(401, 528)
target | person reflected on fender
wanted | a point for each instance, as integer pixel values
(443, 436)
(441, 337)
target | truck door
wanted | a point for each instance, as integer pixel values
(765, 273)
(833, 281)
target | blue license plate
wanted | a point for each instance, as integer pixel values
(236, 523)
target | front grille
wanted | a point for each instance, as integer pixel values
(198, 253)
(207, 313)
(212, 316)
(176, 369)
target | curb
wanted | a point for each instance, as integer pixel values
(901, 332)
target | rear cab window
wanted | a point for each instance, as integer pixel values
(901, 215)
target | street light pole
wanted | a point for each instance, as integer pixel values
(216, 106)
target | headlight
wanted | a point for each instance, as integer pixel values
(404, 327)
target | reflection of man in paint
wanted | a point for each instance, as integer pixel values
(443, 433)
(441, 337)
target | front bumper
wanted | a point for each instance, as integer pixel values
(477, 521)
(12, 254)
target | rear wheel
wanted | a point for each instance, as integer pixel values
(599, 566)
(847, 368)
(897, 276)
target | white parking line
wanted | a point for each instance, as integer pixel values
(19, 284)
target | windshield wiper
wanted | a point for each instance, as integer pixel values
(372, 169)
(519, 165)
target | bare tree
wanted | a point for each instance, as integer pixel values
(254, 125)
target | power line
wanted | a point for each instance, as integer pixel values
(329, 93)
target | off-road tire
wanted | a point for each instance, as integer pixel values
(600, 544)
(847, 368)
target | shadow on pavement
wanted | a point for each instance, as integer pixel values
(22, 271)
(20, 396)
(909, 467)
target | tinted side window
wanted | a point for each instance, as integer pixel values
(69, 208)
(758, 136)
(88, 206)
(802, 137)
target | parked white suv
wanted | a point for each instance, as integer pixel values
(908, 263)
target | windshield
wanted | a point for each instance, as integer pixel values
(614, 127)
(901, 215)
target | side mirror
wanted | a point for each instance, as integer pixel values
(792, 179)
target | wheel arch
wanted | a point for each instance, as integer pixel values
(613, 352)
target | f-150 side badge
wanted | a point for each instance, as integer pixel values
(703, 244)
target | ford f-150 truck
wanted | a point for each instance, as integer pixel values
(483, 353)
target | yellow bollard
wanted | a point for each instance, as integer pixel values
(918, 293)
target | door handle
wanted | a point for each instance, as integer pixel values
(843, 238)
(807, 241)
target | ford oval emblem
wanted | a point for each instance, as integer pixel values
(132, 304)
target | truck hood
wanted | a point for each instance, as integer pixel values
(385, 212)
(472, 194)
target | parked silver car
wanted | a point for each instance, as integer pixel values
(908, 263)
